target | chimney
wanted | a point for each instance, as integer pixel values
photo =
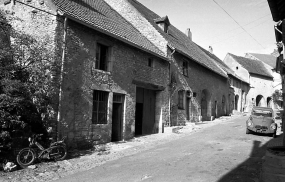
(211, 49)
(188, 33)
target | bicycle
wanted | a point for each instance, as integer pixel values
(27, 156)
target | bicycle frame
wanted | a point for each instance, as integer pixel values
(42, 149)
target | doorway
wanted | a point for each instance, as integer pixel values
(117, 117)
(236, 102)
(145, 112)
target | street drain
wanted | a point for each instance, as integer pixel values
(220, 149)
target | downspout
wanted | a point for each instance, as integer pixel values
(169, 101)
(59, 116)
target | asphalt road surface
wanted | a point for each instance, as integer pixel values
(222, 153)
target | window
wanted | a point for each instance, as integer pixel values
(181, 99)
(150, 62)
(185, 68)
(100, 107)
(101, 61)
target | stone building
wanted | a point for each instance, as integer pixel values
(111, 81)
(269, 62)
(238, 88)
(257, 75)
(198, 86)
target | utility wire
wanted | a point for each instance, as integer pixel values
(237, 34)
(238, 23)
(239, 27)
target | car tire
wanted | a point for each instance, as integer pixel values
(247, 131)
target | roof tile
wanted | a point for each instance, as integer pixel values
(179, 40)
(98, 14)
(266, 58)
(253, 66)
(223, 65)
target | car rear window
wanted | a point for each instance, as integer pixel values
(262, 113)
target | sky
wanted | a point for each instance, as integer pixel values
(229, 26)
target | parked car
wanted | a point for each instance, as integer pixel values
(262, 120)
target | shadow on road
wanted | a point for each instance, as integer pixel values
(249, 170)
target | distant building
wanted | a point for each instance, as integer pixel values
(238, 87)
(257, 75)
(270, 63)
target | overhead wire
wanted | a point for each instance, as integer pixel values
(238, 23)
(237, 33)
(243, 25)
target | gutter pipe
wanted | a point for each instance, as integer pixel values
(59, 116)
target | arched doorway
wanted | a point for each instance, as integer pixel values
(269, 102)
(260, 101)
(236, 102)
(205, 97)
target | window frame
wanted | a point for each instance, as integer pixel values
(100, 99)
(185, 68)
(109, 55)
(100, 48)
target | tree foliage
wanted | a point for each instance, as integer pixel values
(277, 97)
(25, 83)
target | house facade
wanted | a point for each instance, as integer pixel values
(119, 70)
(269, 62)
(198, 86)
(111, 81)
(238, 87)
(257, 75)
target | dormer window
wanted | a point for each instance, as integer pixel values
(163, 23)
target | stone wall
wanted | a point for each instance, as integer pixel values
(35, 19)
(261, 86)
(200, 78)
(80, 79)
(139, 22)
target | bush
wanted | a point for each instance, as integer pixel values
(25, 89)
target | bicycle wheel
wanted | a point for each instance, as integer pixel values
(58, 153)
(26, 157)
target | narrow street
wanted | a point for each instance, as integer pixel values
(221, 152)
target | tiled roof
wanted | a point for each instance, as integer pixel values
(223, 65)
(179, 40)
(99, 15)
(252, 66)
(266, 58)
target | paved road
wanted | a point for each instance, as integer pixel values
(222, 153)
